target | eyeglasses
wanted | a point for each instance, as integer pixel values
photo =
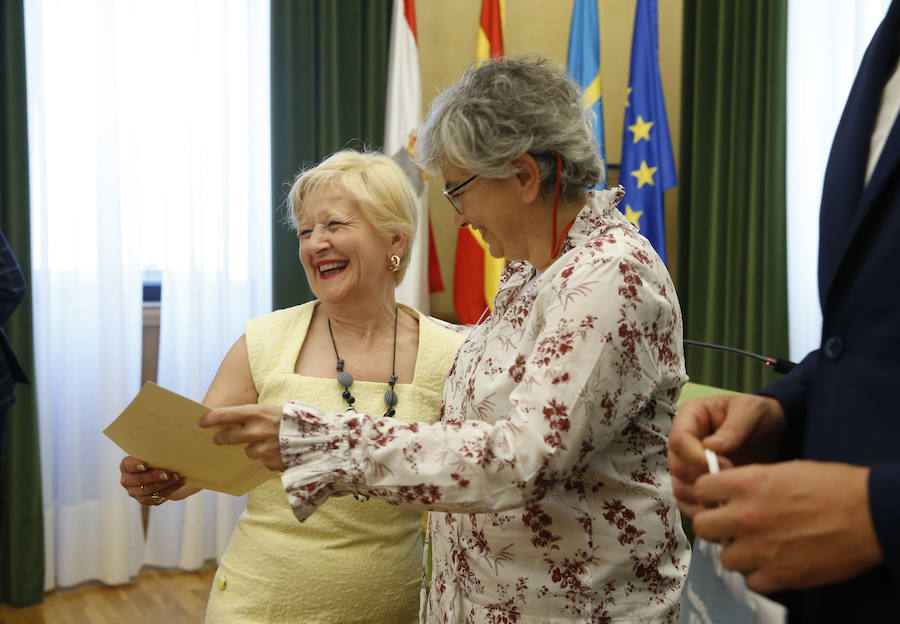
(452, 193)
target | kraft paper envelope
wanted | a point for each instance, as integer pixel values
(161, 428)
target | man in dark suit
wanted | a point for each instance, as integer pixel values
(829, 524)
(12, 291)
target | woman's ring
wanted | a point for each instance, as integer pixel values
(157, 498)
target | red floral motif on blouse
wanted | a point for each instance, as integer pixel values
(546, 478)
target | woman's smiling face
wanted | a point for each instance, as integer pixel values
(342, 253)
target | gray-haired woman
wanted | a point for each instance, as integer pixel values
(547, 472)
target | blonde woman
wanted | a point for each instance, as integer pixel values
(353, 349)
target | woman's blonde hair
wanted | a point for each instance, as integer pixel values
(376, 184)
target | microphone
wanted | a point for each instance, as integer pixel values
(779, 365)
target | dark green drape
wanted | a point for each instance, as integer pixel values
(329, 82)
(732, 222)
(21, 523)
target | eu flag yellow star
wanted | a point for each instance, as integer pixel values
(633, 215)
(627, 95)
(644, 175)
(641, 129)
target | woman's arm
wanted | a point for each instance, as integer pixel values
(232, 385)
(608, 338)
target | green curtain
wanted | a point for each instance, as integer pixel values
(732, 222)
(329, 83)
(22, 523)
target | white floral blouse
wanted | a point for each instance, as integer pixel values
(547, 471)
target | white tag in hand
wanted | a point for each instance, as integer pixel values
(712, 461)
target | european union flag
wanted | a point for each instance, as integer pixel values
(648, 167)
(583, 63)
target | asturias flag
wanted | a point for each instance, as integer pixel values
(476, 274)
(648, 167)
(583, 63)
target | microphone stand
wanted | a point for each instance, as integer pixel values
(779, 365)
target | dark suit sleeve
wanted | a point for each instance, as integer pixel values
(791, 391)
(884, 479)
(884, 505)
(12, 282)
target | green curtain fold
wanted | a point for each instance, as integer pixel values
(732, 199)
(22, 520)
(329, 83)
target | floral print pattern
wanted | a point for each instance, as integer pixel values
(547, 477)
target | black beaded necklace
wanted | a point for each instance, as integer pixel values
(346, 379)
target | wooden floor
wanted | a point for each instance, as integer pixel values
(156, 597)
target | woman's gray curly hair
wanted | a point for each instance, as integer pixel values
(504, 108)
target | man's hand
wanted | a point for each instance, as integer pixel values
(790, 525)
(255, 425)
(741, 428)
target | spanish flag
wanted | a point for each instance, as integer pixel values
(476, 274)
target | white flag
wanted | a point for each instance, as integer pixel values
(402, 118)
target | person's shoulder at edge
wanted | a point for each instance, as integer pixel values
(438, 324)
(284, 314)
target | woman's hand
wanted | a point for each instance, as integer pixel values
(147, 485)
(255, 425)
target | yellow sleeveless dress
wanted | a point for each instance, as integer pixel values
(351, 561)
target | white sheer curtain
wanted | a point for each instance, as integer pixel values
(217, 271)
(826, 41)
(149, 133)
(87, 291)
